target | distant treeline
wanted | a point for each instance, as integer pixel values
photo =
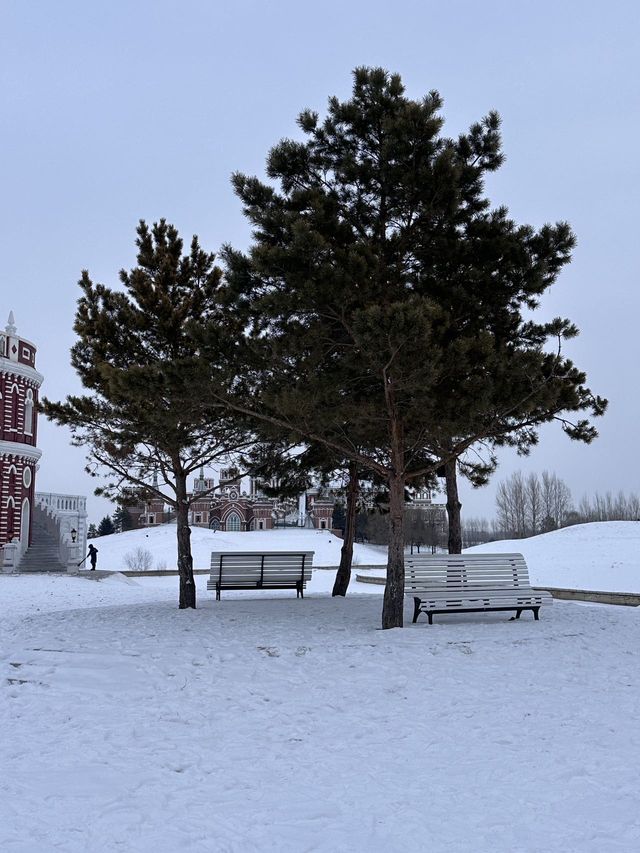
(526, 505)
(532, 504)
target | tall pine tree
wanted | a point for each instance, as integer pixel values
(388, 298)
(145, 422)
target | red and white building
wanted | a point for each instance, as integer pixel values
(227, 507)
(19, 386)
(54, 525)
(231, 509)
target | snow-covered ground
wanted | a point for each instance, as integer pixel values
(267, 723)
(161, 544)
(600, 556)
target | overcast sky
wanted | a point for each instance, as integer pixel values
(112, 112)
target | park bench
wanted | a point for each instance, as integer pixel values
(471, 583)
(260, 570)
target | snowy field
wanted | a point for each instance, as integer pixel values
(266, 723)
(601, 556)
(161, 544)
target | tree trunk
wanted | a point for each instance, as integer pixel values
(185, 560)
(393, 605)
(343, 575)
(453, 508)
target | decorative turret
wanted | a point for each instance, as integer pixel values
(19, 386)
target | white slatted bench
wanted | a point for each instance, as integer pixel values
(471, 583)
(260, 570)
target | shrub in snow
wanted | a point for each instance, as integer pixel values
(138, 560)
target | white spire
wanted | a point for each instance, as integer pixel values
(10, 328)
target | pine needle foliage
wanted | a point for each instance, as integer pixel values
(144, 421)
(390, 303)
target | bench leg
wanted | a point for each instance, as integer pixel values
(536, 614)
(416, 609)
(430, 617)
(217, 593)
(299, 590)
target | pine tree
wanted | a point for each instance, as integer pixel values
(145, 422)
(92, 532)
(388, 298)
(122, 519)
(273, 458)
(106, 527)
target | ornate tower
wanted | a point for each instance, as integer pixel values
(19, 386)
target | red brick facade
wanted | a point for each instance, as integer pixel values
(229, 508)
(19, 386)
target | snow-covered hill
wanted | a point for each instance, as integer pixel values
(161, 544)
(603, 556)
(600, 556)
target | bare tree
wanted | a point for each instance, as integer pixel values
(607, 508)
(511, 502)
(475, 531)
(531, 505)
(533, 494)
(556, 501)
(505, 519)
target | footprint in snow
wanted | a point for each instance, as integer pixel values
(270, 650)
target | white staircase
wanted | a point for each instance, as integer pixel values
(58, 534)
(43, 554)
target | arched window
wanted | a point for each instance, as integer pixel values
(233, 522)
(28, 413)
(25, 521)
(11, 520)
(14, 399)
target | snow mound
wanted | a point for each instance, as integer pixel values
(599, 556)
(118, 577)
(160, 542)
